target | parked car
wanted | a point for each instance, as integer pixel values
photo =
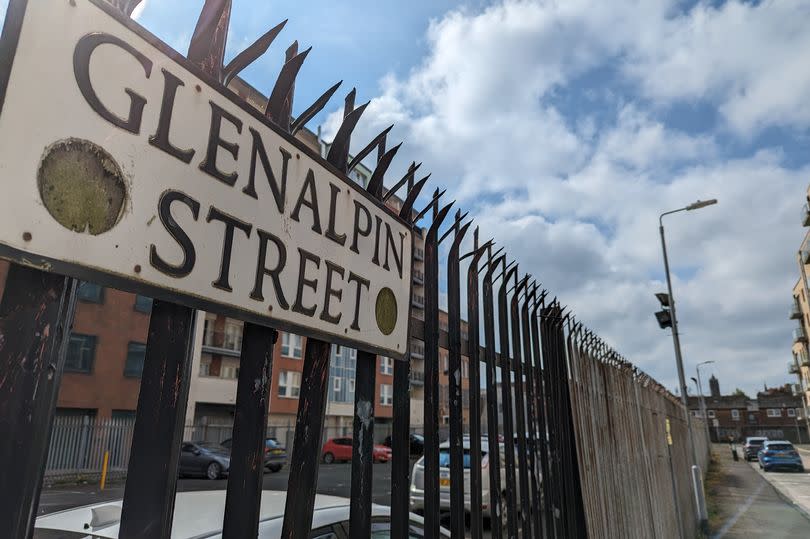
(200, 515)
(752, 446)
(779, 454)
(340, 449)
(417, 444)
(274, 453)
(417, 492)
(207, 459)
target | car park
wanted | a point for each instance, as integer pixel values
(340, 450)
(200, 515)
(776, 454)
(275, 455)
(206, 459)
(752, 446)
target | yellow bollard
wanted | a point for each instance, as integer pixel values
(104, 470)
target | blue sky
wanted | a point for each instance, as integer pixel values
(567, 127)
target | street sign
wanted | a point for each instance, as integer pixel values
(123, 163)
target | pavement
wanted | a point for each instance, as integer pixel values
(744, 502)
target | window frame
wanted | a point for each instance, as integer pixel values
(289, 387)
(131, 374)
(289, 341)
(93, 339)
(386, 394)
(774, 412)
(141, 308)
(98, 300)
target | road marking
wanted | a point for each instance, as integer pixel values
(743, 508)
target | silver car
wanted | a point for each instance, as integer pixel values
(417, 492)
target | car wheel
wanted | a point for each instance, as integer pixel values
(213, 471)
(766, 468)
(275, 468)
(328, 458)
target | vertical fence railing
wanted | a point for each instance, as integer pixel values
(556, 395)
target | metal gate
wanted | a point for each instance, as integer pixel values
(575, 424)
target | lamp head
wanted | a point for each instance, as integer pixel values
(701, 204)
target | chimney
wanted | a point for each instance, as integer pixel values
(714, 386)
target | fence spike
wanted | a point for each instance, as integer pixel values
(281, 98)
(375, 184)
(314, 109)
(339, 151)
(410, 199)
(405, 179)
(251, 54)
(362, 154)
(207, 47)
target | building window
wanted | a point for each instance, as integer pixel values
(143, 304)
(465, 369)
(791, 412)
(90, 292)
(208, 332)
(338, 350)
(80, 354)
(336, 384)
(290, 345)
(698, 413)
(386, 394)
(205, 365)
(774, 412)
(351, 385)
(735, 415)
(352, 353)
(233, 335)
(386, 365)
(289, 384)
(710, 413)
(229, 371)
(136, 353)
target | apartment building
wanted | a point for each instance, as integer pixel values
(775, 412)
(800, 311)
(105, 354)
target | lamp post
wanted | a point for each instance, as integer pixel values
(697, 479)
(703, 399)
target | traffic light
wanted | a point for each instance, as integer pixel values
(663, 316)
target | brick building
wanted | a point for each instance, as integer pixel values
(775, 412)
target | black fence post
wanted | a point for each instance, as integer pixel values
(148, 505)
(35, 318)
(507, 403)
(457, 510)
(432, 506)
(244, 494)
(520, 412)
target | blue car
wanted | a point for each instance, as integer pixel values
(779, 454)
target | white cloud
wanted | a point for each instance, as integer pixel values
(138, 11)
(576, 198)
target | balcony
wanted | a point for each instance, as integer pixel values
(418, 277)
(799, 335)
(418, 254)
(417, 351)
(793, 368)
(417, 378)
(223, 343)
(805, 215)
(795, 311)
(418, 301)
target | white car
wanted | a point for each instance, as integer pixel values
(200, 514)
(417, 492)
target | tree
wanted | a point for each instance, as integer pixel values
(739, 393)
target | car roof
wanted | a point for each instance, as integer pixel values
(752, 438)
(200, 514)
(769, 442)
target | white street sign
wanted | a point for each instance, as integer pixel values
(122, 163)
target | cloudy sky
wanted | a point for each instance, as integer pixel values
(566, 127)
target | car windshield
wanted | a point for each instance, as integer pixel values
(756, 441)
(779, 447)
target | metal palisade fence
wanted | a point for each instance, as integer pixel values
(581, 432)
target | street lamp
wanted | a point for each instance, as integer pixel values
(703, 399)
(697, 481)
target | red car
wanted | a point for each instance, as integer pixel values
(341, 449)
